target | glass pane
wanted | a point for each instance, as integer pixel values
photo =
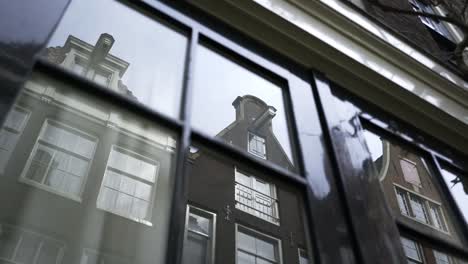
(418, 251)
(267, 229)
(123, 50)
(243, 258)
(412, 190)
(265, 249)
(458, 186)
(245, 109)
(199, 224)
(195, 249)
(59, 200)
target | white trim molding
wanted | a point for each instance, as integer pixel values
(367, 43)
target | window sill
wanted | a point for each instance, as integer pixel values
(48, 189)
(140, 221)
(425, 224)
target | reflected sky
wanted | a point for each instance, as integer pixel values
(218, 82)
(374, 143)
(155, 52)
(457, 191)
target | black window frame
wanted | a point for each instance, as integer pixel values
(199, 26)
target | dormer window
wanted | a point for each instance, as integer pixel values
(78, 68)
(102, 77)
(257, 145)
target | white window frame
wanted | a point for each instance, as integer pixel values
(262, 236)
(274, 218)
(418, 250)
(45, 187)
(22, 231)
(212, 217)
(153, 188)
(426, 203)
(254, 152)
(19, 133)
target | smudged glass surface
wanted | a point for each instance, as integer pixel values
(84, 181)
(123, 50)
(412, 190)
(259, 218)
(240, 106)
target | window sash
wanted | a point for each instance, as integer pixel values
(208, 236)
(119, 189)
(256, 145)
(255, 251)
(421, 209)
(250, 199)
(56, 173)
(412, 250)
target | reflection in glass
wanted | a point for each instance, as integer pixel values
(265, 212)
(86, 181)
(10, 133)
(412, 191)
(458, 186)
(199, 241)
(123, 50)
(255, 247)
(241, 107)
(417, 251)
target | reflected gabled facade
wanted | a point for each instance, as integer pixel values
(415, 198)
(257, 218)
(93, 182)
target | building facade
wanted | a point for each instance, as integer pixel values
(257, 131)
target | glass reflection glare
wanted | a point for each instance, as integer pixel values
(123, 50)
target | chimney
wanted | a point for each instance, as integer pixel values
(101, 49)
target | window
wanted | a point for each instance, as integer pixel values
(10, 133)
(410, 172)
(60, 160)
(199, 237)
(257, 146)
(101, 77)
(420, 209)
(402, 203)
(23, 246)
(412, 250)
(256, 197)
(303, 258)
(431, 23)
(128, 185)
(437, 217)
(78, 66)
(90, 256)
(254, 247)
(442, 258)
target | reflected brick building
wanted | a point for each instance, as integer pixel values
(415, 198)
(90, 178)
(245, 205)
